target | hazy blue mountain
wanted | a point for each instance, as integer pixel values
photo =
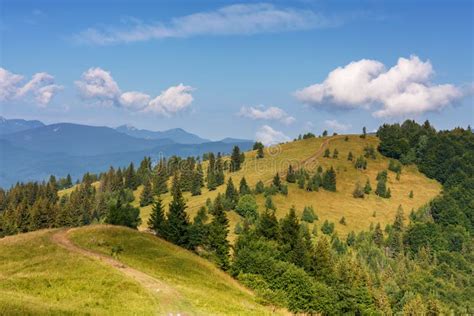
(230, 140)
(20, 164)
(8, 126)
(79, 140)
(177, 135)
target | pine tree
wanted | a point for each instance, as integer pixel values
(269, 203)
(160, 179)
(146, 198)
(329, 180)
(277, 181)
(259, 187)
(235, 159)
(157, 221)
(218, 231)
(219, 170)
(243, 187)
(199, 229)
(367, 187)
(231, 194)
(327, 153)
(68, 181)
(130, 181)
(378, 235)
(290, 175)
(178, 223)
(196, 182)
(267, 225)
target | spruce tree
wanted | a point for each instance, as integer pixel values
(367, 187)
(350, 157)
(327, 153)
(243, 187)
(329, 180)
(157, 221)
(218, 231)
(146, 198)
(290, 175)
(178, 223)
(269, 203)
(259, 187)
(130, 181)
(219, 170)
(199, 229)
(378, 235)
(160, 179)
(196, 183)
(235, 159)
(231, 194)
(267, 225)
(335, 154)
(277, 181)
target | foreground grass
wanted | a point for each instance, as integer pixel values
(200, 287)
(38, 277)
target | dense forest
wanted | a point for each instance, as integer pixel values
(421, 264)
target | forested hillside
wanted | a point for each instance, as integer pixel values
(331, 225)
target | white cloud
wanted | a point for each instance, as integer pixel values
(335, 125)
(271, 113)
(405, 89)
(235, 19)
(98, 85)
(41, 87)
(172, 100)
(134, 100)
(269, 136)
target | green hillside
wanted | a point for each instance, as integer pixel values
(308, 153)
(39, 276)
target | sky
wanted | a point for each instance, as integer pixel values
(256, 70)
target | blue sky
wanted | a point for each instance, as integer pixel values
(240, 65)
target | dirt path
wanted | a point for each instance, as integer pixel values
(168, 297)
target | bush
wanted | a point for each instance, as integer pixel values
(247, 207)
(327, 228)
(358, 191)
(394, 166)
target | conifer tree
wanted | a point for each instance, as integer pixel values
(367, 187)
(269, 204)
(146, 198)
(178, 223)
(130, 180)
(410, 195)
(231, 194)
(199, 229)
(277, 181)
(197, 182)
(243, 187)
(358, 191)
(235, 159)
(160, 179)
(157, 221)
(219, 172)
(335, 153)
(364, 132)
(267, 225)
(218, 231)
(327, 153)
(329, 180)
(350, 157)
(378, 235)
(290, 175)
(259, 187)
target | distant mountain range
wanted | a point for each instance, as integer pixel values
(34, 151)
(16, 125)
(178, 135)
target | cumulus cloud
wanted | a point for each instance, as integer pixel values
(172, 100)
(41, 86)
(404, 89)
(98, 85)
(269, 136)
(245, 19)
(335, 125)
(262, 113)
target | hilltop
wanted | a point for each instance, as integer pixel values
(332, 206)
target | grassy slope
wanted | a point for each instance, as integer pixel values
(328, 205)
(39, 277)
(200, 287)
